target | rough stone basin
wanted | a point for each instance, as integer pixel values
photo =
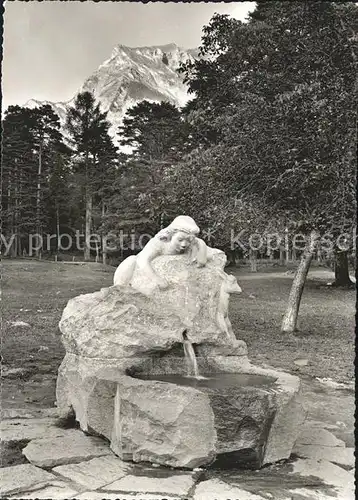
(242, 409)
(248, 418)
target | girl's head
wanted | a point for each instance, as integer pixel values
(181, 224)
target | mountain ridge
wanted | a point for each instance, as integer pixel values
(130, 75)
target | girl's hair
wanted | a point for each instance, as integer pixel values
(181, 223)
(167, 233)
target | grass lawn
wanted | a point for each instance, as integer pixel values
(36, 292)
(326, 323)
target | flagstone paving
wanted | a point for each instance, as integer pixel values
(214, 489)
(86, 473)
(10, 413)
(22, 478)
(83, 467)
(18, 429)
(340, 456)
(108, 477)
(96, 495)
(312, 434)
(341, 480)
(175, 483)
(57, 490)
(73, 447)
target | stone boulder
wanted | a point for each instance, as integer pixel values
(149, 417)
(120, 322)
(158, 422)
(117, 323)
(249, 419)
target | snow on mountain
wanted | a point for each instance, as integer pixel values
(58, 107)
(131, 75)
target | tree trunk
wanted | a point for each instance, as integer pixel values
(16, 211)
(10, 209)
(282, 256)
(319, 256)
(57, 229)
(289, 256)
(341, 270)
(16, 214)
(19, 246)
(253, 260)
(231, 257)
(330, 259)
(12, 250)
(15, 246)
(104, 238)
(87, 249)
(38, 198)
(289, 322)
(97, 251)
(104, 251)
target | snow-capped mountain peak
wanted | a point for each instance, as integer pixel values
(60, 108)
(132, 74)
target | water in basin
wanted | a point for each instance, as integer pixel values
(214, 380)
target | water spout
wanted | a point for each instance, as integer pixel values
(190, 358)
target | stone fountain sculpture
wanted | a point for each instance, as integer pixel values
(124, 370)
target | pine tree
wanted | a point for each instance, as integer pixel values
(88, 129)
(157, 136)
(30, 139)
(19, 190)
(154, 131)
(48, 144)
(58, 196)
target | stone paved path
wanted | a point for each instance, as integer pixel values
(42, 460)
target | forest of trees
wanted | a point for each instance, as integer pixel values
(267, 143)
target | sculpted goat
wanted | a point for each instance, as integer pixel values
(229, 285)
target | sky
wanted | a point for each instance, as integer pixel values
(51, 47)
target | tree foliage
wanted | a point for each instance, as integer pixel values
(267, 141)
(31, 141)
(154, 131)
(94, 155)
(280, 96)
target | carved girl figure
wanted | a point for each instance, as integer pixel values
(179, 237)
